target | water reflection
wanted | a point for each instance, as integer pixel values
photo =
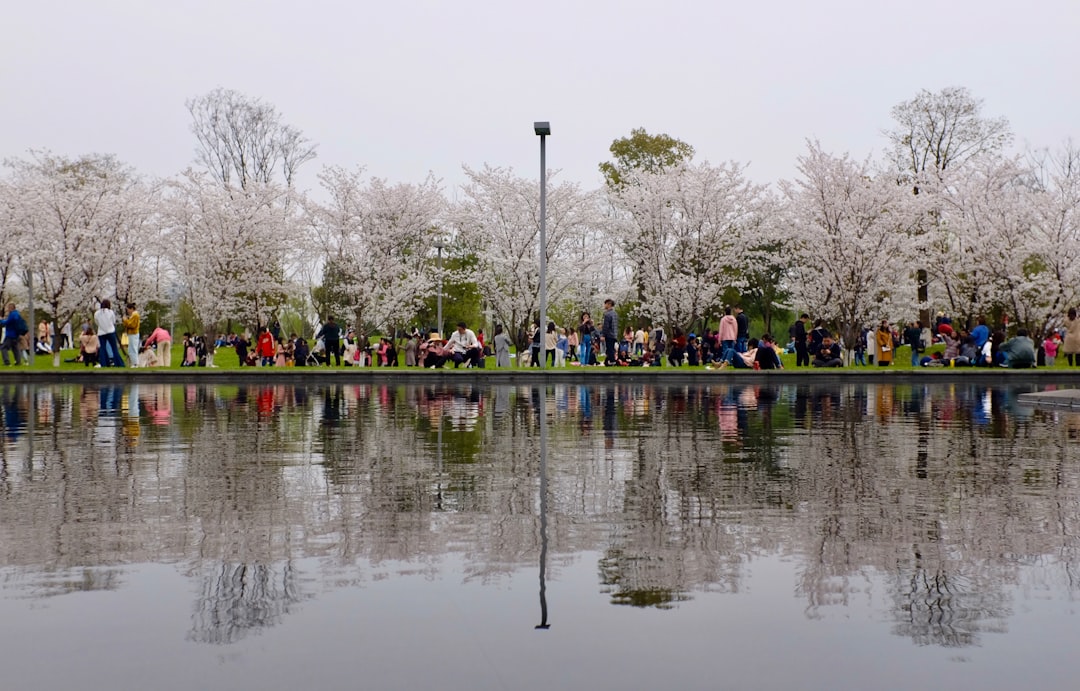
(948, 497)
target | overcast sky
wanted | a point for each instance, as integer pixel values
(404, 88)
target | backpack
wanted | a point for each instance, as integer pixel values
(21, 329)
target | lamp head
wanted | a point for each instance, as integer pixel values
(542, 128)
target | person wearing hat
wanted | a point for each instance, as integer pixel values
(432, 353)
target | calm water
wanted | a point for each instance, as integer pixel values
(578, 537)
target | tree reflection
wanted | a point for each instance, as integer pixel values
(908, 494)
(237, 599)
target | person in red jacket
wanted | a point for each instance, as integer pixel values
(266, 348)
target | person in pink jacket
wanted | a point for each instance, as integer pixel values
(161, 338)
(728, 333)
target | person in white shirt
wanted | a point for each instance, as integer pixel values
(464, 346)
(109, 344)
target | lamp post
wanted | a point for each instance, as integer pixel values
(543, 129)
(439, 244)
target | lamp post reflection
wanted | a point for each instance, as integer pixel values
(542, 408)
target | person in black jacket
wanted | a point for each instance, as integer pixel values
(913, 337)
(828, 355)
(743, 323)
(331, 335)
(610, 331)
(798, 332)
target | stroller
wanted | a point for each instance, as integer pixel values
(317, 355)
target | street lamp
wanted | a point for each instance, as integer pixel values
(439, 244)
(543, 129)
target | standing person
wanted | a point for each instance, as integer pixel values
(913, 337)
(331, 335)
(241, 344)
(798, 332)
(860, 348)
(562, 347)
(502, 347)
(109, 348)
(743, 334)
(411, 346)
(65, 336)
(884, 345)
(161, 338)
(1071, 345)
(586, 333)
(551, 340)
(14, 328)
(729, 331)
(870, 337)
(639, 342)
(131, 328)
(610, 331)
(266, 349)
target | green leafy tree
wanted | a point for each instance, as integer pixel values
(643, 152)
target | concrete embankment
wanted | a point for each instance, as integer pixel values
(1041, 379)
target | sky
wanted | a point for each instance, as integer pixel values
(407, 88)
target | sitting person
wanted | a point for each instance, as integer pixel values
(693, 351)
(766, 356)
(433, 354)
(969, 352)
(88, 346)
(678, 347)
(465, 348)
(933, 360)
(741, 360)
(828, 354)
(148, 357)
(300, 352)
(1018, 352)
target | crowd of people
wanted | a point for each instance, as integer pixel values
(979, 346)
(103, 342)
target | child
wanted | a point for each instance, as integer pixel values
(1050, 348)
(190, 356)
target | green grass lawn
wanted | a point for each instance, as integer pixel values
(225, 359)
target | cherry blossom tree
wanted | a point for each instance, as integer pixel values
(74, 221)
(1005, 241)
(11, 248)
(935, 133)
(498, 222)
(686, 230)
(1056, 177)
(376, 238)
(229, 247)
(848, 241)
